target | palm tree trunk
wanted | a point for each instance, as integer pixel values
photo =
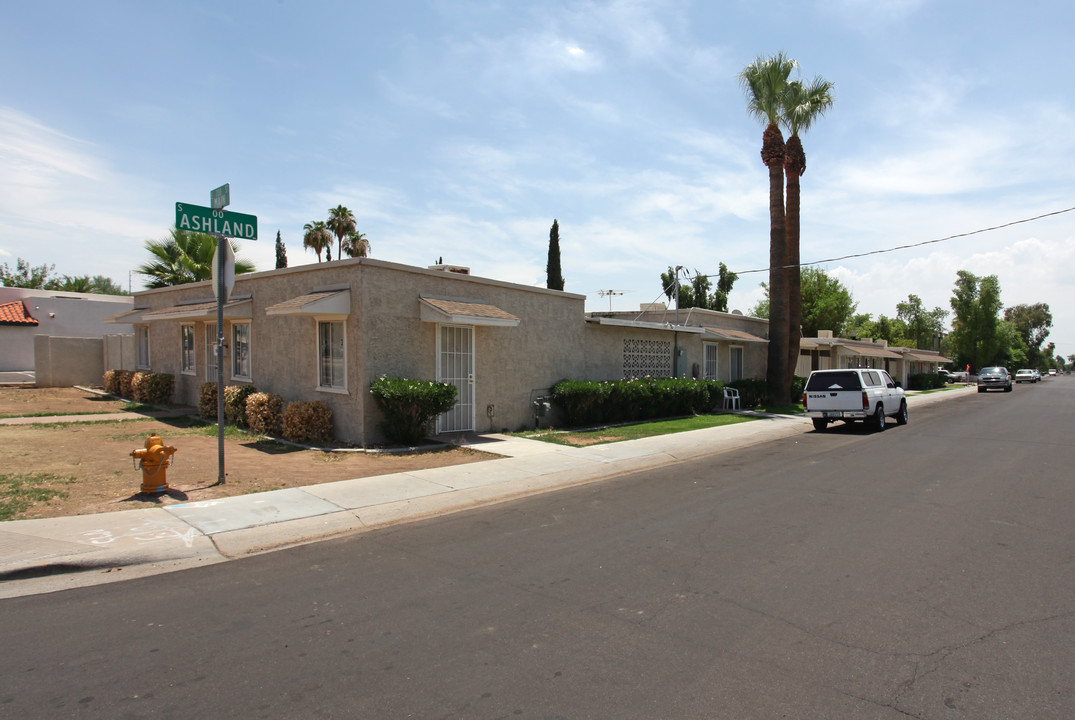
(794, 167)
(772, 154)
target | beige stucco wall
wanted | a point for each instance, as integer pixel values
(65, 361)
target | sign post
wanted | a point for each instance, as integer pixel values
(222, 225)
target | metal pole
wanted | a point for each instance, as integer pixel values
(220, 291)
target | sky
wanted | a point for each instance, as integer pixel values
(460, 129)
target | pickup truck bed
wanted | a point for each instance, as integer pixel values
(853, 394)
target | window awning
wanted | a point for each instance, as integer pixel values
(926, 357)
(319, 303)
(734, 335)
(15, 313)
(868, 351)
(204, 311)
(465, 312)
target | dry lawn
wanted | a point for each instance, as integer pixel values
(90, 463)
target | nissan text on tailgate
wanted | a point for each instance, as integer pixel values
(853, 394)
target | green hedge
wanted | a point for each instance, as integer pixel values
(926, 381)
(409, 406)
(591, 402)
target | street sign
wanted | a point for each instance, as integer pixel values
(221, 197)
(215, 222)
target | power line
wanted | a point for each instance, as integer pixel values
(912, 245)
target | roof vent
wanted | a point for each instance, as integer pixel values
(824, 334)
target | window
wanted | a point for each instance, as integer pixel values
(330, 356)
(141, 338)
(240, 351)
(186, 345)
(709, 361)
(735, 362)
(210, 352)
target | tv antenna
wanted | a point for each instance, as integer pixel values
(609, 294)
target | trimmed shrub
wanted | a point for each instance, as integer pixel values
(307, 422)
(138, 381)
(112, 382)
(583, 402)
(123, 384)
(926, 381)
(752, 391)
(207, 400)
(152, 388)
(410, 405)
(586, 402)
(235, 403)
(798, 387)
(265, 413)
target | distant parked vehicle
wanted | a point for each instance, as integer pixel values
(1052, 371)
(1026, 375)
(955, 376)
(994, 377)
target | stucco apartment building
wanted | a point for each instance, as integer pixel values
(825, 352)
(325, 331)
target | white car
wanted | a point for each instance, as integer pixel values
(1026, 375)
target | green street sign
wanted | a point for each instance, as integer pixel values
(220, 197)
(196, 218)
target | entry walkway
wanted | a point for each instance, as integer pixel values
(50, 554)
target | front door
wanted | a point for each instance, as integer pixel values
(455, 365)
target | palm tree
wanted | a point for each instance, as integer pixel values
(184, 257)
(317, 238)
(765, 82)
(803, 103)
(356, 245)
(341, 222)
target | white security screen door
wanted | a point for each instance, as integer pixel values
(455, 365)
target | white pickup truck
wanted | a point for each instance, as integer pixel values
(853, 394)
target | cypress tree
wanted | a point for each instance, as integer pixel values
(555, 280)
(281, 252)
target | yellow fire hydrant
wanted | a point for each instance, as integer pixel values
(153, 460)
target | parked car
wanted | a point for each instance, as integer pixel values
(853, 394)
(1026, 375)
(1037, 376)
(994, 377)
(1052, 371)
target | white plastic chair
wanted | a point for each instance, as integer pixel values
(731, 399)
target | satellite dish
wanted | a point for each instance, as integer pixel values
(737, 312)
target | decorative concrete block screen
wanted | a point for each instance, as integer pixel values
(647, 357)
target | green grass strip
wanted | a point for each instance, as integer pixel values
(635, 431)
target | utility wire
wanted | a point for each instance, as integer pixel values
(912, 245)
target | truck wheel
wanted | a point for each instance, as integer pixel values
(879, 419)
(820, 424)
(901, 418)
(981, 389)
(1008, 389)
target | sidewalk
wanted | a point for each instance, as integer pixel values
(52, 554)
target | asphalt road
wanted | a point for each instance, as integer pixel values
(926, 572)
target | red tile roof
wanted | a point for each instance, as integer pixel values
(14, 313)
